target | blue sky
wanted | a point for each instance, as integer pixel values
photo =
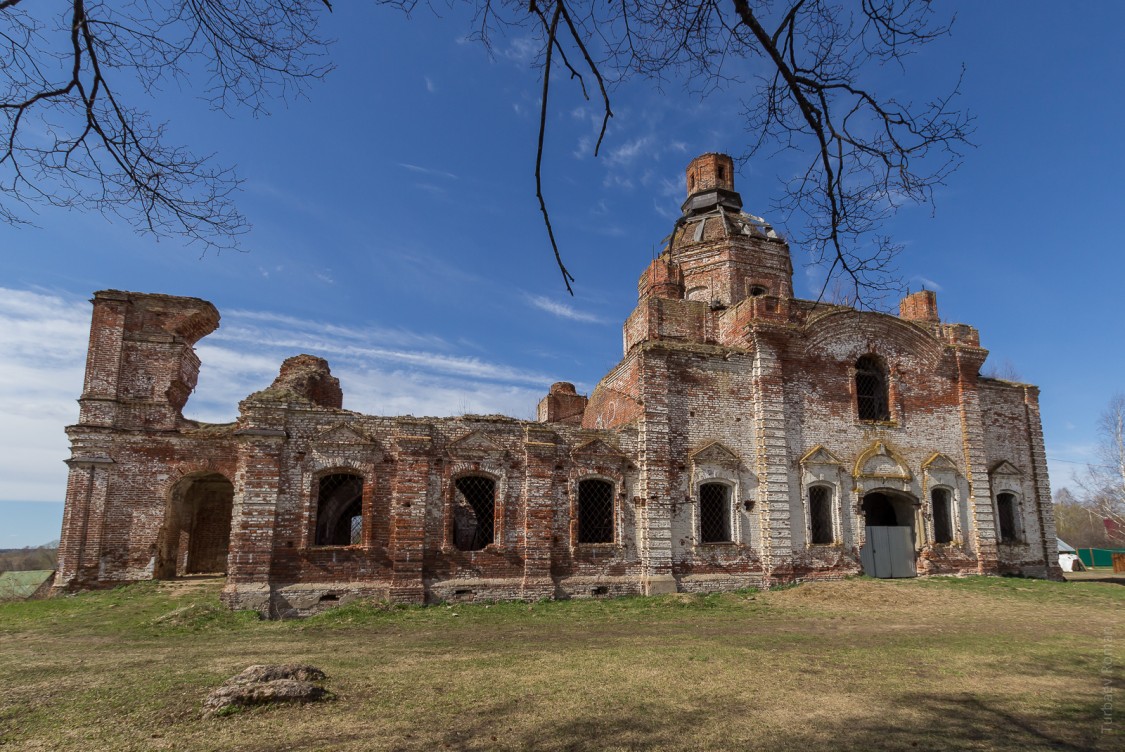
(396, 232)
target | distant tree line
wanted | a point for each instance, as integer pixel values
(1094, 515)
(26, 559)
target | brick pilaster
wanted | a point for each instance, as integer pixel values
(80, 546)
(1042, 485)
(540, 498)
(410, 486)
(254, 517)
(772, 454)
(972, 440)
(655, 488)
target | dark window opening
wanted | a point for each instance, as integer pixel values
(871, 389)
(820, 515)
(595, 511)
(722, 173)
(1006, 507)
(474, 512)
(339, 510)
(714, 513)
(756, 291)
(943, 519)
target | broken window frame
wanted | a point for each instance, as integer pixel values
(941, 498)
(331, 482)
(872, 389)
(485, 535)
(589, 532)
(822, 527)
(722, 507)
(1007, 509)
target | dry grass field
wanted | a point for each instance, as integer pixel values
(974, 664)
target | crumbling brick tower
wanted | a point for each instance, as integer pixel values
(140, 369)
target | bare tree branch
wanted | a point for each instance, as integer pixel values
(812, 59)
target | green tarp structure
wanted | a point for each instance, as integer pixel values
(1098, 557)
(16, 585)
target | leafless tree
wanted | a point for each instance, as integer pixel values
(71, 137)
(1103, 483)
(1077, 523)
(864, 154)
(1004, 369)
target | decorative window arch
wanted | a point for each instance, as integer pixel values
(821, 530)
(339, 509)
(718, 483)
(595, 510)
(1006, 481)
(872, 392)
(946, 489)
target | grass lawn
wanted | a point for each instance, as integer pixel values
(940, 663)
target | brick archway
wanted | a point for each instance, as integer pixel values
(195, 537)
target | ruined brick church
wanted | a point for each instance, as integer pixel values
(746, 438)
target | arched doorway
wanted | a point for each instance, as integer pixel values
(888, 548)
(195, 538)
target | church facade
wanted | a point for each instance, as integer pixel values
(747, 438)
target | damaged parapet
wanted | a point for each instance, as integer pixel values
(562, 405)
(662, 279)
(304, 378)
(919, 306)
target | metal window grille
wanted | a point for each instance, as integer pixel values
(1006, 506)
(820, 515)
(357, 530)
(339, 503)
(595, 511)
(943, 522)
(474, 513)
(871, 389)
(714, 513)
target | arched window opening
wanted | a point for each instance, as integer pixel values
(1006, 510)
(871, 389)
(820, 516)
(757, 291)
(943, 517)
(474, 512)
(595, 511)
(714, 513)
(339, 510)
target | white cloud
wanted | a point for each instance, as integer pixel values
(430, 87)
(562, 310)
(427, 171)
(927, 283)
(521, 50)
(627, 152)
(387, 371)
(43, 338)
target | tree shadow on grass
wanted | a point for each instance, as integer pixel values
(914, 721)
